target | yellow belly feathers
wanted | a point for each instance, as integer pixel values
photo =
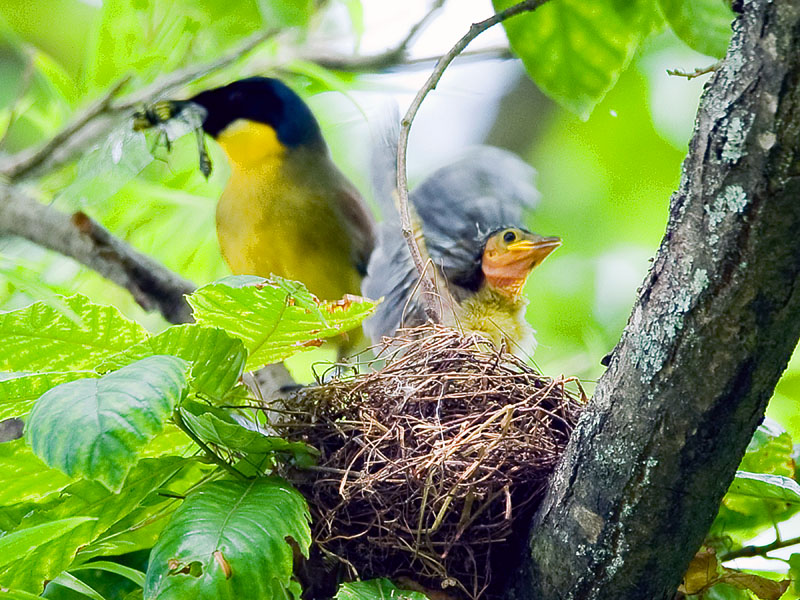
(271, 222)
(499, 318)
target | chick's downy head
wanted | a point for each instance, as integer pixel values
(510, 255)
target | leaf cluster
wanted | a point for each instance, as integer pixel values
(575, 51)
(763, 495)
(136, 441)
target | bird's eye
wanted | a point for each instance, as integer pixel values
(509, 236)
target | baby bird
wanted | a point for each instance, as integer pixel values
(469, 217)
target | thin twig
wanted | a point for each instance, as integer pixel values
(698, 71)
(26, 161)
(417, 28)
(383, 60)
(428, 287)
(748, 551)
(489, 53)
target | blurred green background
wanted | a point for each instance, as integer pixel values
(605, 182)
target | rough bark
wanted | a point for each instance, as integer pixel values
(713, 327)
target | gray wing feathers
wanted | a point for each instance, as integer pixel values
(458, 206)
(383, 162)
(391, 275)
(462, 203)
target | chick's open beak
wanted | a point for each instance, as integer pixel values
(535, 249)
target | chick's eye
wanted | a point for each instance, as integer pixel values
(509, 236)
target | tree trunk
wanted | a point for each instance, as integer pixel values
(713, 327)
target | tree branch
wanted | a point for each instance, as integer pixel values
(427, 283)
(102, 115)
(748, 551)
(98, 118)
(153, 286)
(383, 60)
(713, 327)
(388, 61)
(698, 71)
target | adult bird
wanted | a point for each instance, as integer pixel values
(469, 220)
(286, 209)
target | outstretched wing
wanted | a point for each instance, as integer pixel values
(391, 275)
(458, 206)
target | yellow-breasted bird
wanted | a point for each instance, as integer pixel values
(469, 216)
(286, 209)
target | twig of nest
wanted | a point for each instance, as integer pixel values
(430, 464)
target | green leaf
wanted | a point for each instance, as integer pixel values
(140, 528)
(217, 358)
(25, 478)
(228, 541)
(11, 515)
(96, 427)
(723, 591)
(285, 13)
(18, 544)
(134, 575)
(769, 451)
(85, 499)
(223, 430)
(575, 50)
(172, 441)
(741, 518)
(39, 337)
(124, 40)
(106, 168)
(275, 318)
(375, 589)
(333, 81)
(766, 487)
(18, 393)
(76, 585)
(30, 282)
(705, 25)
(794, 572)
(53, 72)
(17, 595)
(356, 12)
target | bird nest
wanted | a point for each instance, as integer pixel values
(432, 463)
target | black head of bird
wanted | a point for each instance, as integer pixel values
(286, 208)
(264, 106)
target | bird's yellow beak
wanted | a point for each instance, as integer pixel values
(506, 267)
(534, 251)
